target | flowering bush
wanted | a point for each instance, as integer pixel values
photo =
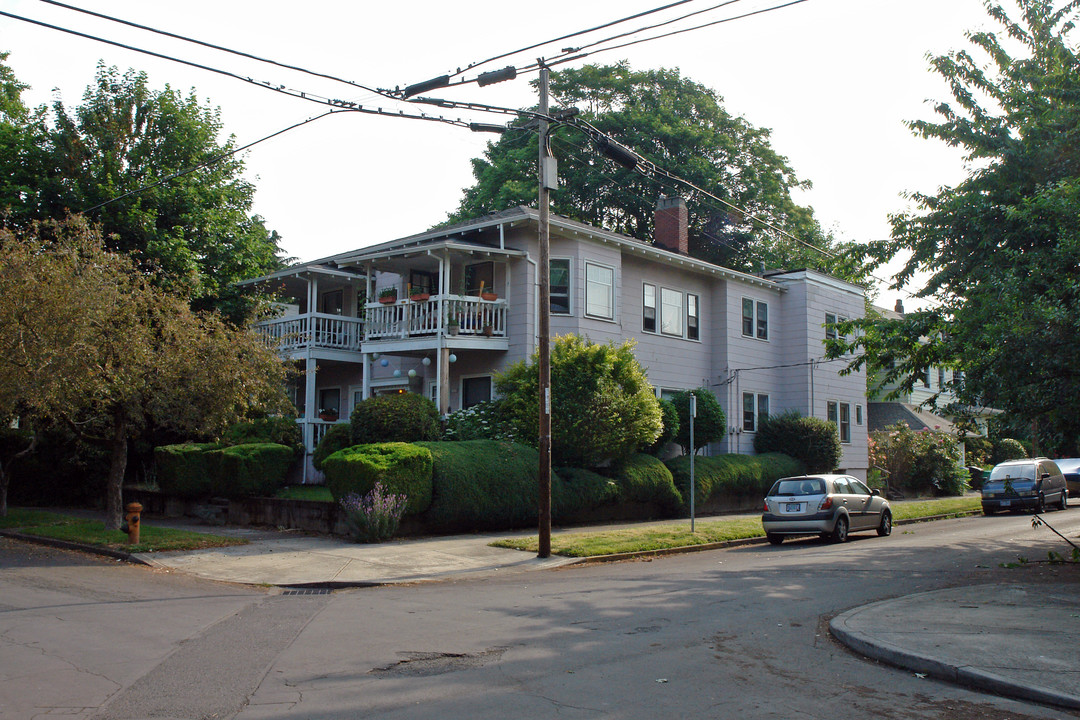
(374, 517)
(918, 462)
(479, 422)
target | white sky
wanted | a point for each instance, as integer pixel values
(833, 79)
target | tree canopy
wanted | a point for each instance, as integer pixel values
(1001, 248)
(683, 127)
(85, 339)
(120, 157)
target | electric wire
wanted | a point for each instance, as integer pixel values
(209, 161)
(213, 47)
(281, 89)
(571, 35)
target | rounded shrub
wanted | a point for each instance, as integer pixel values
(338, 437)
(709, 423)
(978, 449)
(250, 470)
(669, 418)
(1007, 449)
(580, 490)
(643, 478)
(278, 430)
(402, 468)
(812, 441)
(186, 470)
(920, 462)
(402, 417)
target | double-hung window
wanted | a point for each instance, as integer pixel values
(671, 312)
(693, 317)
(755, 410)
(830, 326)
(559, 286)
(648, 308)
(599, 291)
(839, 414)
(755, 318)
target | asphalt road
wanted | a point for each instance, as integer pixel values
(731, 633)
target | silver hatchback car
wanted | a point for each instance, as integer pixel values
(827, 505)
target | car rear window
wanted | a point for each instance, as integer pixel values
(1014, 472)
(802, 486)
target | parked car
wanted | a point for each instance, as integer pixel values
(1070, 468)
(827, 505)
(1024, 484)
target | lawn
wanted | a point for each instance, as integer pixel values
(316, 493)
(57, 526)
(673, 535)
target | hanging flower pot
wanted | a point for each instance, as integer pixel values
(388, 295)
(489, 296)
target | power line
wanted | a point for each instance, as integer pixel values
(281, 89)
(213, 47)
(471, 66)
(210, 161)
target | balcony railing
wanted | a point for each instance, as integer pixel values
(449, 314)
(316, 330)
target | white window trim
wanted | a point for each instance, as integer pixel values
(569, 286)
(656, 308)
(614, 294)
(757, 406)
(754, 317)
(681, 313)
(686, 316)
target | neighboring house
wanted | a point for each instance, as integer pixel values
(913, 407)
(755, 340)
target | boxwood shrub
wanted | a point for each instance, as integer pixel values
(402, 468)
(250, 470)
(186, 470)
(579, 490)
(483, 484)
(404, 417)
(279, 430)
(734, 476)
(338, 437)
(644, 478)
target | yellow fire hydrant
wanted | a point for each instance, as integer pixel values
(131, 524)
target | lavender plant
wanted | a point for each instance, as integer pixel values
(374, 517)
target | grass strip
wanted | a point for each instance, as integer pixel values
(644, 538)
(56, 526)
(315, 493)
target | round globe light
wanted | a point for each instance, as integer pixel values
(412, 373)
(426, 361)
(453, 358)
(397, 373)
(384, 362)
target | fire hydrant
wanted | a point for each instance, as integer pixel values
(131, 522)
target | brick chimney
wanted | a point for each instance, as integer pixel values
(671, 225)
(899, 306)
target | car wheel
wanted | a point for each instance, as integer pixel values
(840, 531)
(775, 539)
(988, 511)
(1040, 505)
(884, 528)
(1063, 503)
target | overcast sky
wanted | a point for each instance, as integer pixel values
(834, 80)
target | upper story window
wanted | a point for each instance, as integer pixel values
(693, 317)
(839, 414)
(830, 326)
(559, 286)
(671, 312)
(755, 318)
(648, 308)
(599, 291)
(755, 410)
(941, 378)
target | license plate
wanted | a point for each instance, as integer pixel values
(1005, 503)
(794, 507)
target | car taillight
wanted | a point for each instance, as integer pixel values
(765, 506)
(826, 504)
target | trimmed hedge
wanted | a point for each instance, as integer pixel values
(186, 470)
(812, 441)
(251, 470)
(578, 490)
(483, 484)
(338, 437)
(737, 476)
(278, 430)
(644, 478)
(404, 417)
(402, 468)
(1005, 449)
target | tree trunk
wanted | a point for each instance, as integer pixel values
(118, 453)
(5, 472)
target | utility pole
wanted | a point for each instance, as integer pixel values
(548, 179)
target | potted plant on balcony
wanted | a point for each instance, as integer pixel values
(452, 324)
(388, 295)
(418, 295)
(329, 415)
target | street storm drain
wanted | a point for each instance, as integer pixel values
(421, 664)
(307, 591)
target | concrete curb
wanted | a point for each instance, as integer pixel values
(66, 545)
(889, 653)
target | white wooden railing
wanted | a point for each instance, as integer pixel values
(405, 318)
(314, 330)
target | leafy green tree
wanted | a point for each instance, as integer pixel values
(603, 408)
(683, 127)
(119, 156)
(1002, 247)
(85, 339)
(22, 139)
(709, 423)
